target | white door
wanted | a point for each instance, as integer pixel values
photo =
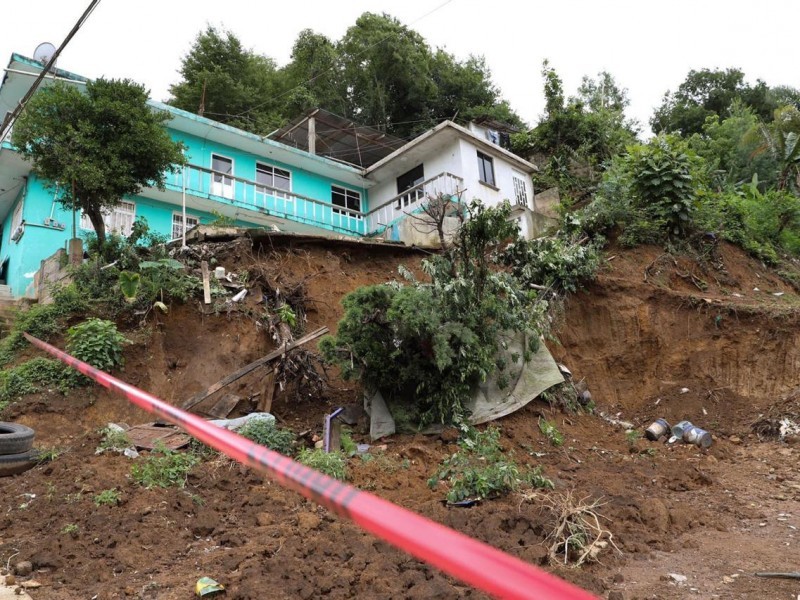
(221, 178)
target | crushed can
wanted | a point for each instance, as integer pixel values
(656, 429)
(697, 436)
(680, 428)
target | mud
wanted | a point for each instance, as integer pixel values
(714, 516)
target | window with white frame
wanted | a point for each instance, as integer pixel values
(345, 198)
(485, 168)
(16, 219)
(177, 224)
(520, 189)
(118, 220)
(275, 178)
(222, 178)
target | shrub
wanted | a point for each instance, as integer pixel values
(107, 498)
(113, 440)
(28, 377)
(330, 463)
(427, 344)
(551, 432)
(264, 432)
(164, 468)
(97, 342)
(480, 470)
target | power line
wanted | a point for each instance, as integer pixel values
(14, 115)
(298, 86)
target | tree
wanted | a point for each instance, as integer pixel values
(706, 93)
(314, 76)
(230, 84)
(100, 145)
(781, 139)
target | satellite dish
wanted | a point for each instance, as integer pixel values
(44, 52)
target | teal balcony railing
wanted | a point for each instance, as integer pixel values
(251, 195)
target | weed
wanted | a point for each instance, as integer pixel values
(202, 451)
(28, 377)
(107, 498)
(264, 432)
(47, 455)
(480, 470)
(114, 440)
(632, 436)
(97, 342)
(349, 447)
(330, 463)
(551, 432)
(164, 468)
(71, 529)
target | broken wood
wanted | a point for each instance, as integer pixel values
(206, 283)
(224, 406)
(199, 397)
(267, 393)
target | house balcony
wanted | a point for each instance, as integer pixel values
(413, 201)
(254, 202)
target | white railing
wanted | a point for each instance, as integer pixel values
(412, 201)
(267, 199)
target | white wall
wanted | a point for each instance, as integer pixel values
(503, 171)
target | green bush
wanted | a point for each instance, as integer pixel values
(330, 463)
(553, 262)
(97, 342)
(480, 470)
(107, 498)
(164, 468)
(428, 344)
(264, 432)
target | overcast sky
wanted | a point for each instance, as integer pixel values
(648, 46)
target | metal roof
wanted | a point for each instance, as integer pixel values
(338, 138)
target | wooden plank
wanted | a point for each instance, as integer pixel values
(224, 406)
(206, 282)
(267, 392)
(199, 397)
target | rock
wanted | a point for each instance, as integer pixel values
(23, 568)
(31, 584)
(654, 514)
(619, 578)
(10, 580)
(677, 577)
(449, 435)
(319, 444)
(616, 595)
(735, 440)
(727, 579)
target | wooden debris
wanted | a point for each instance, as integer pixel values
(267, 392)
(150, 435)
(224, 406)
(206, 283)
(199, 397)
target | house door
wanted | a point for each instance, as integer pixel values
(221, 178)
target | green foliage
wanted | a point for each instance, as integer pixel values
(427, 344)
(30, 376)
(97, 342)
(480, 470)
(264, 432)
(709, 93)
(46, 455)
(113, 440)
(330, 463)
(551, 432)
(164, 468)
(110, 497)
(71, 529)
(102, 145)
(553, 262)
(221, 220)
(349, 447)
(129, 285)
(287, 315)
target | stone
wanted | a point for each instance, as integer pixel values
(619, 578)
(616, 595)
(23, 568)
(677, 577)
(735, 440)
(727, 579)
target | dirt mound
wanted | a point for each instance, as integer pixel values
(652, 337)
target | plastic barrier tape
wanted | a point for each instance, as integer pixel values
(463, 557)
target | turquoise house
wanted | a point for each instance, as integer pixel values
(314, 176)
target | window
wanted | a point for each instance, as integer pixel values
(485, 168)
(118, 220)
(177, 224)
(346, 199)
(274, 178)
(405, 182)
(520, 189)
(16, 219)
(222, 178)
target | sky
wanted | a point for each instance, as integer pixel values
(648, 47)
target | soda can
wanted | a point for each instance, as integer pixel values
(679, 429)
(697, 436)
(656, 429)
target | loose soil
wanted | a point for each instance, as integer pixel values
(651, 338)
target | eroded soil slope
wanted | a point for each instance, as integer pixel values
(712, 516)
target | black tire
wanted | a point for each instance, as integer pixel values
(12, 464)
(14, 438)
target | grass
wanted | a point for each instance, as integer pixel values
(551, 432)
(164, 468)
(330, 463)
(107, 498)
